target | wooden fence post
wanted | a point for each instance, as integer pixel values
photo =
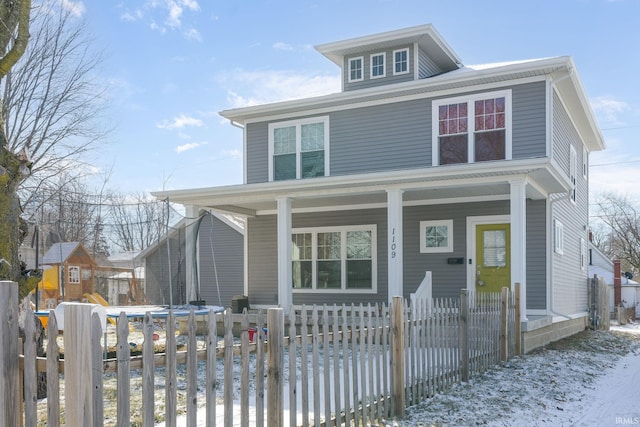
(464, 335)
(275, 365)
(77, 364)
(10, 407)
(517, 327)
(397, 357)
(504, 322)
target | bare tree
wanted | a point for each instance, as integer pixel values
(137, 221)
(52, 101)
(618, 235)
(71, 212)
(14, 35)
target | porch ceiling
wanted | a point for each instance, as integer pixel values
(447, 184)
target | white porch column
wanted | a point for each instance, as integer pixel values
(518, 204)
(394, 242)
(284, 253)
(191, 251)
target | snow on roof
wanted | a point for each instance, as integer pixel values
(59, 252)
(607, 276)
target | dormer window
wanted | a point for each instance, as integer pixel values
(356, 69)
(400, 61)
(377, 65)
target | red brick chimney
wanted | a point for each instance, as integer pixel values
(617, 283)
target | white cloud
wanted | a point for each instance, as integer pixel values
(179, 122)
(193, 34)
(189, 146)
(162, 14)
(75, 8)
(282, 46)
(609, 109)
(234, 154)
(261, 87)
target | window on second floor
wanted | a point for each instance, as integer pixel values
(400, 61)
(299, 149)
(472, 129)
(356, 69)
(377, 65)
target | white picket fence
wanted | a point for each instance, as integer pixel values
(337, 365)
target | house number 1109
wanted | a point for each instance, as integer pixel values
(393, 242)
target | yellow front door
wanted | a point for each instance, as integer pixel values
(493, 268)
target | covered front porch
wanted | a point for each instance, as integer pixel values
(500, 190)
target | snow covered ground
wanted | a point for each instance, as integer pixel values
(592, 379)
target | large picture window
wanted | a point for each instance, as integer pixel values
(334, 258)
(472, 129)
(299, 149)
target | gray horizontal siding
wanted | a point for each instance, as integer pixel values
(262, 262)
(398, 135)
(381, 137)
(221, 255)
(529, 120)
(536, 254)
(448, 279)
(426, 66)
(568, 278)
(257, 152)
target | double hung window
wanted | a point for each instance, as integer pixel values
(356, 69)
(400, 61)
(472, 129)
(299, 149)
(377, 65)
(334, 258)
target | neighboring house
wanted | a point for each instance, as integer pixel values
(68, 274)
(115, 282)
(609, 271)
(207, 261)
(478, 174)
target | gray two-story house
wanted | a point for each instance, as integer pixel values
(477, 174)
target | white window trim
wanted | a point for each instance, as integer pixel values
(573, 173)
(397, 73)
(74, 268)
(384, 65)
(470, 100)
(445, 222)
(349, 79)
(558, 237)
(585, 162)
(298, 124)
(343, 252)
